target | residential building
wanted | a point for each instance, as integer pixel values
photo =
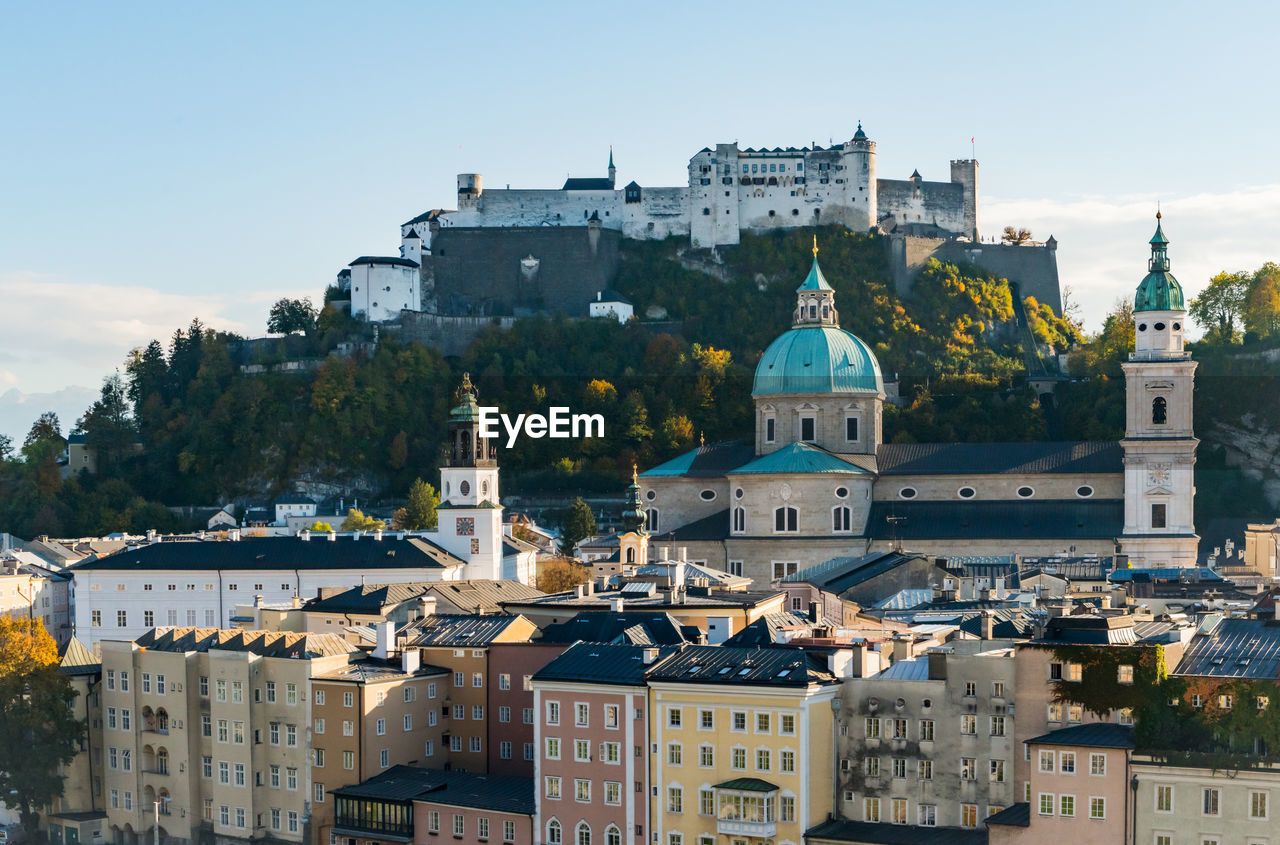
(76, 817)
(592, 712)
(511, 746)
(741, 744)
(1206, 804)
(1080, 790)
(929, 741)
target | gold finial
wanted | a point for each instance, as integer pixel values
(702, 438)
(815, 246)
(635, 479)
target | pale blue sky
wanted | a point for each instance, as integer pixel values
(160, 161)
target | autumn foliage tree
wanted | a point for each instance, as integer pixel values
(556, 575)
(38, 733)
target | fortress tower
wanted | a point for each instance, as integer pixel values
(860, 194)
(965, 172)
(1159, 444)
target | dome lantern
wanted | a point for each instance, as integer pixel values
(1159, 290)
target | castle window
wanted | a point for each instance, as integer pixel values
(799, 165)
(786, 520)
(771, 211)
(651, 495)
(808, 427)
(739, 520)
(1159, 515)
(706, 211)
(737, 494)
(850, 423)
(1159, 411)
(651, 520)
(1142, 327)
(795, 212)
(841, 519)
(826, 311)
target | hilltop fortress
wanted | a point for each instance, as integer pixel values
(508, 252)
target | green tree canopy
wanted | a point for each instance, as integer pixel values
(357, 521)
(419, 514)
(38, 732)
(1262, 304)
(579, 523)
(292, 315)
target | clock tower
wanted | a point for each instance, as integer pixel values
(1159, 444)
(470, 524)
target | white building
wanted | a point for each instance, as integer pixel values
(295, 505)
(382, 287)
(610, 303)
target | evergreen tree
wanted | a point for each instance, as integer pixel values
(579, 524)
(419, 513)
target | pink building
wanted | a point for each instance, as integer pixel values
(511, 713)
(423, 806)
(1079, 789)
(592, 773)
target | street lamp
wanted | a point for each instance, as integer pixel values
(156, 839)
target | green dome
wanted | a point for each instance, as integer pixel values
(1159, 290)
(817, 359)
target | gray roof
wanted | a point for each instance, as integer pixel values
(1091, 630)
(587, 184)
(1022, 519)
(1235, 648)
(1093, 735)
(912, 669)
(603, 601)
(376, 671)
(384, 259)
(266, 643)
(841, 573)
(295, 499)
(1000, 458)
(1019, 815)
(634, 628)
(78, 660)
(457, 630)
(764, 631)
(601, 663)
(894, 834)
(477, 595)
(369, 599)
(263, 553)
(500, 793)
(717, 664)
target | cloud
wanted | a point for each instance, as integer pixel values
(1102, 251)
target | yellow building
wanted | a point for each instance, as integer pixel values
(741, 746)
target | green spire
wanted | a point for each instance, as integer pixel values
(611, 155)
(633, 514)
(815, 280)
(1159, 290)
(467, 409)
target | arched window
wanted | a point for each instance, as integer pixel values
(162, 761)
(826, 311)
(739, 520)
(584, 834)
(553, 832)
(612, 836)
(1159, 411)
(841, 519)
(813, 312)
(631, 555)
(786, 520)
(162, 721)
(651, 520)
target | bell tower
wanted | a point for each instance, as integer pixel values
(470, 516)
(633, 542)
(1159, 442)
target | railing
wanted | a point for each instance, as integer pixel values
(737, 827)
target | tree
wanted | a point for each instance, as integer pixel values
(6, 447)
(398, 451)
(109, 430)
(292, 315)
(419, 513)
(357, 521)
(321, 527)
(1220, 306)
(1015, 236)
(1262, 308)
(45, 436)
(559, 574)
(579, 523)
(38, 733)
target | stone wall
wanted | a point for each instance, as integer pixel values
(1033, 267)
(450, 335)
(527, 269)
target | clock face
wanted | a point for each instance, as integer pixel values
(466, 526)
(1158, 475)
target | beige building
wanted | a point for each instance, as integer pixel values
(76, 817)
(30, 588)
(1204, 805)
(212, 728)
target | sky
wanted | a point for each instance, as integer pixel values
(164, 161)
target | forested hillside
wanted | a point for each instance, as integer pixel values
(183, 423)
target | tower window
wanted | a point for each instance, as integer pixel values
(966, 492)
(651, 520)
(851, 429)
(707, 495)
(1159, 411)
(786, 520)
(1159, 517)
(1159, 327)
(769, 430)
(739, 520)
(840, 519)
(826, 311)
(631, 555)
(813, 312)
(807, 428)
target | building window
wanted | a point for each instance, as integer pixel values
(1097, 764)
(1159, 411)
(739, 520)
(786, 520)
(1067, 806)
(1257, 805)
(783, 568)
(966, 492)
(1097, 808)
(808, 428)
(553, 832)
(652, 522)
(871, 809)
(1047, 762)
(968, 768)
(1046, 803)
(927, 815)
(968, 815)
(1158, 518)
(926, 770)
(841, 519)
(851, 429)
(769, 430)
(675, 800)
(1067, 762)
(1124, 674)
(1211, 804)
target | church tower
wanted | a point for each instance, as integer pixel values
(1159, 443)
(633, 542)
(613, 171)
(470, 516)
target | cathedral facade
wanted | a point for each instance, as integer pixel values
(817, 481)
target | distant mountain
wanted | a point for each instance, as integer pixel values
(19, 410)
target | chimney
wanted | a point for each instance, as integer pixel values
(355, 535)
(295, 602)
(813, 611)
(426, 606)
(234, 534)
(841, 663)
(902, 647)
(151, 535)
(1000, 591)
(681, 553)
(304, 535)
(938, 663)
(333, 536)
(257, 600)
(617, 604)
(410, 660)
(386, 632)
(664, 553)
(988, 624)
(377, 535)
(1106, 602)
(649, 655)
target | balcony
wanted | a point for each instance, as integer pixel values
(735, 827)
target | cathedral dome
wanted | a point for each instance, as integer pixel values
(817, 359)
(1159, 290)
